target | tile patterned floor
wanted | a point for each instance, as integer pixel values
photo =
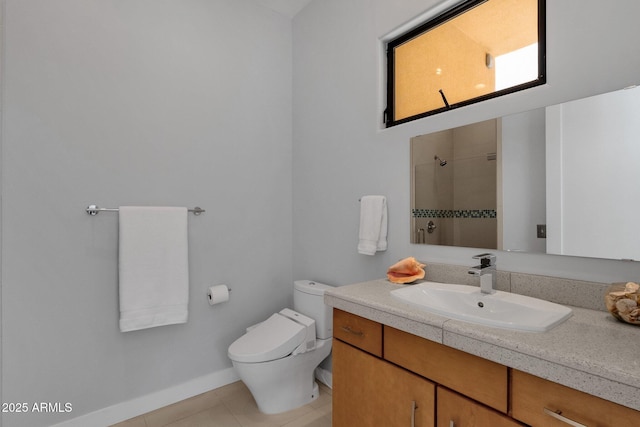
(233, 406)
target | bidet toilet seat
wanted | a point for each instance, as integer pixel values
(275, 338)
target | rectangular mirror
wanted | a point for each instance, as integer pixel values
(558, 180)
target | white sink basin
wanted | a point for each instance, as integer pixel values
(500, 309)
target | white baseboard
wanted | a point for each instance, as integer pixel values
(150, 402)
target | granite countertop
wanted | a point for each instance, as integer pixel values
(591, 351)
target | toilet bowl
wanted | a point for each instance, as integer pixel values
(276, 359)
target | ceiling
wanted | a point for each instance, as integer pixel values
(285, 7)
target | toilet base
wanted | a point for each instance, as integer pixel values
(286, 397)
(286, 383)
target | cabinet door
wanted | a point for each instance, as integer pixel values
(531, 396)
(368, 391)
(455, 410)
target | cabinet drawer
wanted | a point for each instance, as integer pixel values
(480, 379)
(530, 395)
(358, 331)
(456, 410)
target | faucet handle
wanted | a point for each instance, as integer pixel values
(486, 260)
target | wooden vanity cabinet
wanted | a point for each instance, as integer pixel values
(531, 395)
(383, 377)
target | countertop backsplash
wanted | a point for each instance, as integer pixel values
(577, 293)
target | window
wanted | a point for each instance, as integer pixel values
(479, 49)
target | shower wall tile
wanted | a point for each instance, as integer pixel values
(476, 232)
(475, 139)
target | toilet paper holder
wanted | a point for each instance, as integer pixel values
(218, 294)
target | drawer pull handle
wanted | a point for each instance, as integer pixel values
(351, 331)
(452, 424)
(413, 413)
(558, 416)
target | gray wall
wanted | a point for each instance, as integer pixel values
(138, 102)
(341, 152)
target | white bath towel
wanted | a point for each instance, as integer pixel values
(153, 267)
(373, 225)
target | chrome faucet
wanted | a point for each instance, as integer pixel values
(487, 272)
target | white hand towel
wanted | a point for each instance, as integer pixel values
(153, 267)
(373, 225)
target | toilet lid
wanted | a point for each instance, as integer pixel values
(273, 339)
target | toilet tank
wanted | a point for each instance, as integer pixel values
(308, 299)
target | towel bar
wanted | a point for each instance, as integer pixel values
(94, 210)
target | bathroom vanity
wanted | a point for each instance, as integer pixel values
(394, 364)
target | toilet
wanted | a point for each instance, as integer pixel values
(276, 359)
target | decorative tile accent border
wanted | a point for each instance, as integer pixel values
(458, 213)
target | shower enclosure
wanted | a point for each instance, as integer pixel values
(454, 180)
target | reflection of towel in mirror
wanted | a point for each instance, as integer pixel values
(373, 225)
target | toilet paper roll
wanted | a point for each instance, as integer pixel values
(218, 294)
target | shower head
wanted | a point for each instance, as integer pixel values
(442, 162)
